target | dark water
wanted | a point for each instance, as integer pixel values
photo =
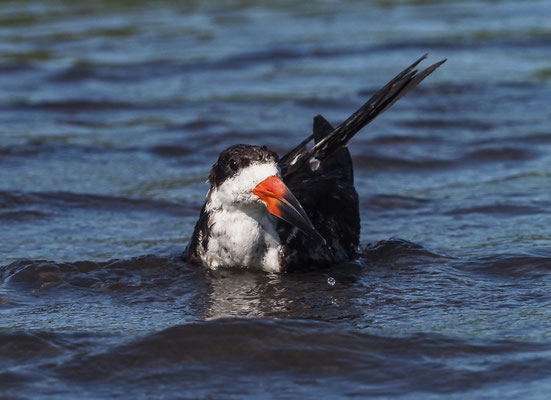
(111, 114)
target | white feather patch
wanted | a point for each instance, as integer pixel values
(238, 189)
(242, 231)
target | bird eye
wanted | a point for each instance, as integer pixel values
(233, 165)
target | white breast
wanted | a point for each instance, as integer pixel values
(241, 230)
(242, 237)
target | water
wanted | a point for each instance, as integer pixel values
(111, 114)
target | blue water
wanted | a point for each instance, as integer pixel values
(111, 115)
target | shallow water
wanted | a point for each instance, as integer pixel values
(111, 114)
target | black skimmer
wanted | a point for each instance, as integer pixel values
(294, 212)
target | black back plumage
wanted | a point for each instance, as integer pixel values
(322, 178)
(325, 188)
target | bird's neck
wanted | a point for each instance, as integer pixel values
(243, 236)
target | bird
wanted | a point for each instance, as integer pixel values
(295, 212)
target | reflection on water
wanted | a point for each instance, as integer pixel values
(298, 296)
(244, 294)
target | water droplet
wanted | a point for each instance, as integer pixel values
(331, 281)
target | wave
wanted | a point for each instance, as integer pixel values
(231, 358)
(10, 200)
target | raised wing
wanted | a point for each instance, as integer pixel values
(340, 136)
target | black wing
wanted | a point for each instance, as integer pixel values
(327, 194)
(200, 239)
(322, 178)
(406, 80)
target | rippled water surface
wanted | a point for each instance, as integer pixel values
(111, 114)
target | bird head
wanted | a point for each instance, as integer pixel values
(247, 175)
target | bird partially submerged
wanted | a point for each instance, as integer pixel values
(294, 212)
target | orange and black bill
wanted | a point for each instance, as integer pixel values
(283, 204)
